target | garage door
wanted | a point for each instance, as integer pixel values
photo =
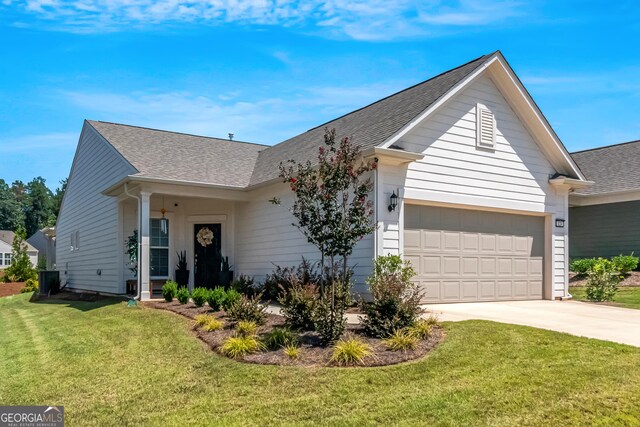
(465, 255)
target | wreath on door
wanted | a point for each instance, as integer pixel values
(205, 237)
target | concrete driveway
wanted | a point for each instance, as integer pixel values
(621, 325)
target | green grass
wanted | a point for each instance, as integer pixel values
(113, 365)
(627, 297)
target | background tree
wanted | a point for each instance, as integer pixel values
(38, 206)
(334, 212)
(21, 268)
(57, 197)
(11, 214)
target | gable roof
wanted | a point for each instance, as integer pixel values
(181, 157)
(614, 168)
(7, 237)
(369, 126)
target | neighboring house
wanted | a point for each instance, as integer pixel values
(45, 242)
(605, 218)
(6, 241)
(483, 184)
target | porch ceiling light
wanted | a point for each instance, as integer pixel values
(393, 202)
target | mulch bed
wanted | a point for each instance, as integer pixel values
(312, 353)
(7, 289)
(631, 280)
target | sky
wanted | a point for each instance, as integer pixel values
(268, 70)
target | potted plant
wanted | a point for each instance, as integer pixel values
(226, 274)
(182, 270)
(132, 252)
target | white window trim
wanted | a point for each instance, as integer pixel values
(169, 248)
(483, 114)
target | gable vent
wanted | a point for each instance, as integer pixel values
(486, 127)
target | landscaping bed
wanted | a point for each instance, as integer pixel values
(312, 352)
(631, 280)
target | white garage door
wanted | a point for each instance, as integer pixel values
(466, 255)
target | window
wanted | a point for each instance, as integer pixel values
(485, 127)
(75, 240)
(1, 258)
(159, 249)
(7, 259)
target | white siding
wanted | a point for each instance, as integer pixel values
(96, 166)
(512, 176)
(266, 236)
(4, 248)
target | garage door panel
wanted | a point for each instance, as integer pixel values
(464, 255)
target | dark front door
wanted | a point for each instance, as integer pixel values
(207, 244)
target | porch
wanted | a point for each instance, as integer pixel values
(171, 219)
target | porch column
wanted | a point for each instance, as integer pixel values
(143, 254)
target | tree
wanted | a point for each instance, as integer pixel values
(334, 212)
(57, 197)
(11, 214)
(38, 206)
(21, 268)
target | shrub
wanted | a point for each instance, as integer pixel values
(248, 309)
(30, 285)
(200, 296)
(169, 290)
(202, 319)
(283, 278)
(350, 351)
(213, 324)
(329, 313)
(625, 263)
(230, 298)
(422, 328)
(246, 286)
(401, 340)
(299, 302)
(395, 301)
(291, 351)
(246, 329)
(602, 283)
(279, 338)
(216, 298)
(183, 295)
(237, 347)
(582, 266)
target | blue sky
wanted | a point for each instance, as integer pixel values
(267, 70)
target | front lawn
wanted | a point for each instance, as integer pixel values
(113, 365)
(627, 297)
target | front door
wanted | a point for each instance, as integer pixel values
(207, 246)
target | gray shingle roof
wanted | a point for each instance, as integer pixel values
(7, 237)
(178, 156)
(369, 126)
(613, 168)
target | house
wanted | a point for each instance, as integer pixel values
(45, 242)
(483, 184)
(605, 218)
(6, 250)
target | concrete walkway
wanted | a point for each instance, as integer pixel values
(621, 325)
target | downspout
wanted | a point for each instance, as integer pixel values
(133, 196)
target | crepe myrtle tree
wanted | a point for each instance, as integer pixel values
(334, 212)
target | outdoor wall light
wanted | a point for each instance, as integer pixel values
(560, 223)
(393, 202)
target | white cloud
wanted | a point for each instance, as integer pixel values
(357, 19)
(29, 143)
(266, 121)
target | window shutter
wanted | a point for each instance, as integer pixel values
(486, 127)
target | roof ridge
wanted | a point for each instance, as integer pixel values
(179, 133)
(606, 146)
(403, 90)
